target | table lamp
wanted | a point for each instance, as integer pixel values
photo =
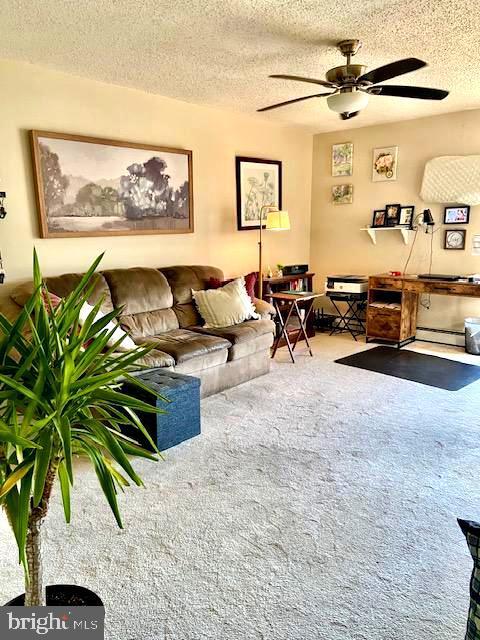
(276, 221)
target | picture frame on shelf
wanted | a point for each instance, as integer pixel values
(342, 194)
(455, 239)
(407, 216)
(384, 164)
(392, 214)
(457, 215)
(259, 184)
(379, 218)
(342, 159)
(88, 186)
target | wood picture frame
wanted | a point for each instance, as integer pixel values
(455, 239)
(88, 186)
(258, 184)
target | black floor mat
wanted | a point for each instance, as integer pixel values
(417, 367)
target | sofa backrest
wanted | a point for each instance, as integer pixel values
(65, 284)
(182, 280)
(153, 300)
(146, 298)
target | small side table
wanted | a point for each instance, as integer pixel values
(292, 303)
(350, 320)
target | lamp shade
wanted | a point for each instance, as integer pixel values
(348, 102)
(278, 221)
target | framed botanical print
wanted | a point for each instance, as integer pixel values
(392, 214)
(96, 187)
(259, 185)
(342, 194)
(342, 159)
(384, 164)
(407, 214)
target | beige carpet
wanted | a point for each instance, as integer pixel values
(319, 502)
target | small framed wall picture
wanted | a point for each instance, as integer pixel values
(384, 164)
(457, 215)
(342, 159)
(392, 214)
(406, 216)
(342, 194)
(455, 239)
(379, 218)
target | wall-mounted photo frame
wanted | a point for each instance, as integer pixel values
(384, 164)
(342, 159)
(457, 215)
(392, 214)
(455, 239)
(407, 215)
(379, 218)
(97, 187)
(259, 184)
(342, 194)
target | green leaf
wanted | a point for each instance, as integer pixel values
(64, 431)
(7, 435)
(42, 464)
(65, 488)
(15, 476)
(22, 514)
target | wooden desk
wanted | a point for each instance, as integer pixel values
(393, 304)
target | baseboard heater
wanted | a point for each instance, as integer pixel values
(450, 337)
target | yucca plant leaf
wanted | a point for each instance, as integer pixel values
(23, 512)
(8, 435)
(63, 427)
(65, 488)
(20, 388)
(42, 464)
(15, 476)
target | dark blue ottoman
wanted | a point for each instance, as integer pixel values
(181, 419)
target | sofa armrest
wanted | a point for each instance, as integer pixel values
(264, 308)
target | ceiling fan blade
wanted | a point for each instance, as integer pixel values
(283, 104)
(348, 116)
(323, 83)
(392, 70)
(421, 93)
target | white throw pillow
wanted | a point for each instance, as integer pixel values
(127, 343)
(225, 306)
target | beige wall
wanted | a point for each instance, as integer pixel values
(35, 98)
(338, 245)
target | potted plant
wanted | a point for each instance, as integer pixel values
(59, 398)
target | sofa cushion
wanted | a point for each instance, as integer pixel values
(184, 345)
(240, 332)
(182, 280)
(156, 358)
(63, 285)
(146, 298)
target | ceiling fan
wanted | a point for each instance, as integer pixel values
(351, 85)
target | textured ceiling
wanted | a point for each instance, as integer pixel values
(220, 52)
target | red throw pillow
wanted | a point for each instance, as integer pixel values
(250, 282)
(52, 297)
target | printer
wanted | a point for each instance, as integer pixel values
(346, 284)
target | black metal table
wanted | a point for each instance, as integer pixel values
(350, 320)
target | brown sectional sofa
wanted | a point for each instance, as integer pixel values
(158, 309)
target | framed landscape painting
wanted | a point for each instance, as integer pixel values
(342, 159)
(259, 184)
(95, 187)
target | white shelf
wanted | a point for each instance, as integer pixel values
(372, 232)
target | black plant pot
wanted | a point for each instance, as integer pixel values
(64, 594)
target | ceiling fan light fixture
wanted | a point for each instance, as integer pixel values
(347, 102)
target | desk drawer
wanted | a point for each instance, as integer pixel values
(383, 323)
(384, 282)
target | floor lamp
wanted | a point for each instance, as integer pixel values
(276, 221)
